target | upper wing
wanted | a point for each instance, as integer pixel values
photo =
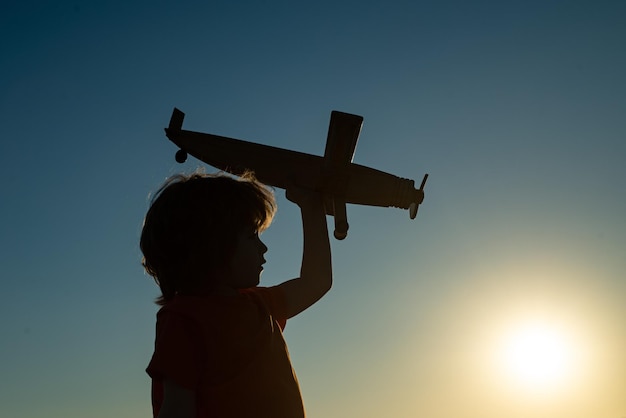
(343, 135)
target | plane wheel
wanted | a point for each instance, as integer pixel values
(181, 156)
(341, 230)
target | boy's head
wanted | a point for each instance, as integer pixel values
(191, 229)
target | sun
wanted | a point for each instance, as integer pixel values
(538, 357)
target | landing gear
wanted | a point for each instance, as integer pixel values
(181, 156)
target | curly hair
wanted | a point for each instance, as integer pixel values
(190, 230)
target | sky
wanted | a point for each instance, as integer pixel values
(505, 297)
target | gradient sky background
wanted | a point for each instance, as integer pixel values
(516, 109)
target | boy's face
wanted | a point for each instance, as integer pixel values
(247, 262)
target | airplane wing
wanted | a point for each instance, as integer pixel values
(343, 135)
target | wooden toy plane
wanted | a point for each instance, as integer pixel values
(334, 175)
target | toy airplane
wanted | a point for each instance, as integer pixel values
(334, 175)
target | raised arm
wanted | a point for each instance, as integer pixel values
(316, 274)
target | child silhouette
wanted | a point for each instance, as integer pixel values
(219, 349)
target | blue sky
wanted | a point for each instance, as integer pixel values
(515, 109)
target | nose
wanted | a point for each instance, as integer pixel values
(262, 247)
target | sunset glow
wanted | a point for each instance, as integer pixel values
(538, 357)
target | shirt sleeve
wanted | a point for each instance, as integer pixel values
(275, 300)
(176, 350)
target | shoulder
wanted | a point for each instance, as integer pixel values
(192, 306)
(271, 299)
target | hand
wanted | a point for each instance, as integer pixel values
(305, 198)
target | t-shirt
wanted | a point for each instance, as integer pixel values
(230, 351)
